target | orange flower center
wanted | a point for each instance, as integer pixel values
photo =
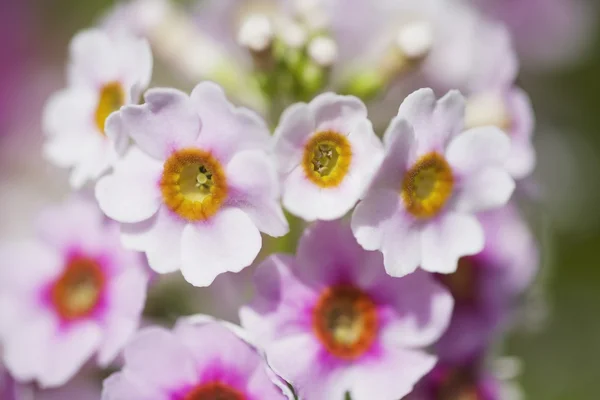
(112, 97)
(327, 157)
(427, 186)
(193, 184)
(463, 282)
(214, 391)
(345, 320)
(76, 293)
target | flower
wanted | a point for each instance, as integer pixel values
(486, 285)
(72, 294)
(104, 74)
(419, 208)
(85, 386)
(199, 359)
(198, 188)
(358, 330)
(326, 153)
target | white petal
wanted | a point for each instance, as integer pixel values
(135, 63)
(483, 190)
(159, 237)
(93, 58)
(447, 239)
(94, 162)
(229, 241)
(417, 109)
(254, 188)
(401, 245)
(131, 193)
(166, 122)
(477, 148)
(225, 128)
(296, 125)
(333, 111)
(371, 216)
(70, 111)
(400, 145)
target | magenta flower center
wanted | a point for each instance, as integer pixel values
(345, 321)
(76, 293)
(214, 391)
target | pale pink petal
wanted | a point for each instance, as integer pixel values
(167, 121)
(483, 190)
(296, 125)
(98, 158)
(447, 121)
(131, 193)
(371, 216)
(225, 128)
(116, 133)
(448, 238)
(254, 188)
(477, 148)
(135, 62)
(400, 147)
(367, 153)
(159, 237)
(401, 244)
(126, 386)
(334, 112)
(26, 265)
(93, 59)
(417, 109)
(69, 111)
(229, 241)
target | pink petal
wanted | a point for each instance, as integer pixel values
(93, 59)
(371, 216)
(477, 148)
(296, 125)
(483, 190)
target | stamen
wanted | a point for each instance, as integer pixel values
(327, 157)
(415, 39)
(323, 51)
(112, 97)
(345, 320)
(256, 32)
(193, 184)
(427, 186)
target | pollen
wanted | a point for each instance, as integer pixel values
(462, 283)
(327, 157)
(214, 391)
(427, 186)
(193, 184)
(77, 292)
(345, 321)
(112, 97)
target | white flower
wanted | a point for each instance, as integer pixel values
(104, 74)
(326, 153)
(419, 208)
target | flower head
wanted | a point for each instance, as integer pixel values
(199, 359)
(360, 331)
(198, 187)
(74, 293)
(486, 285)
(327, 154)
(104, 74)
(419, 209)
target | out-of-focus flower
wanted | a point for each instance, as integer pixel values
(327, 154)
(486, 285)
(360, 331)
(419, 210)
(85, 386)
(70, 295)
(546, 33)
(198, 188)
(104, 74)
(199, 359)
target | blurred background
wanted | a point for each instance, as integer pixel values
(560, 348)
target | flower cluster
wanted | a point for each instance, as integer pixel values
(388, 136)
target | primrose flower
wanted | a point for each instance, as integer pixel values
(104, 74)
(74, 293)
(419, 210)
(486, 285)
(198, 188)
(331, 321)
(199, 359)
(326, 154)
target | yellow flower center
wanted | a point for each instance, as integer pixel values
(76, 293)
(345, 321)
(112, 97)
(193, 184)
(327, 157)
(427, 186)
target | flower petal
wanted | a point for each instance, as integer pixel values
(225, 128)
(333, 111)
(227, 242)
(124, 386)
(448, 238)
(296, 125)
(167, 121)
(400, 146)
(483, 190)
(417, 109)
(476, 148)
(254, 188)
(371, 216)
(93, 59)
(131, 193)
(159, 237)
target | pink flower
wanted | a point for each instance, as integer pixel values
(104, 74)
(331, 321)
(419, 210)
(198, 188)
(327, 154)
(70, 295)
(199, 359)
